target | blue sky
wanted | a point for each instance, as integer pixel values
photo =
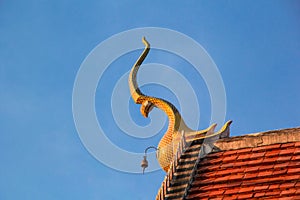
(255, 44)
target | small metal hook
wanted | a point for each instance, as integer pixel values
(144, 163)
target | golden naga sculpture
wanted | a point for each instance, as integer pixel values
(169, 142)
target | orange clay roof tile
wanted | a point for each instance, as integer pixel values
(268, 168)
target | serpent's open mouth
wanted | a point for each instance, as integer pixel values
(146, 108)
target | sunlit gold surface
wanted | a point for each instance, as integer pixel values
(167, 145)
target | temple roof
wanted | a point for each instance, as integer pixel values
(254, 166)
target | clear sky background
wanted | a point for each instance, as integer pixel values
(255, 44)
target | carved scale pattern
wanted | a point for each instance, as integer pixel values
(167, 146)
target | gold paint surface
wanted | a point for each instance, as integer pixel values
(167, 146)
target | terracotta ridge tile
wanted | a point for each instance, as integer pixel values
(250, 175)
(272, 153)
(288, 144)
(207, 168)
(284, 158)
(265, 173)
(287, 177)
(236, 176)
(230, 152)
(256, 181)
(227, 165)
(270, 159)
(261, 187)
(220, 179)
(230, 158)
(246, 189)
(244, 156)
(245, 196)
(257, 155)
(240, 163)
(256, 161)
(274, 186)
(281, 165)
(230, 197)
(232, 191)
(214, 154)
(211, 161)
(217, 192)
(230, 171)
(206, 175)
(293, 163)
(287, 185)
(296, 157)
(279, 172)
(294, 170)
(251, 169)
(244, 150)
(220, 185)
(259, 194)
(288, 192)
(260, 148)
(266, 167)
(272, 193)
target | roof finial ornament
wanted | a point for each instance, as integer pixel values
(168, 143)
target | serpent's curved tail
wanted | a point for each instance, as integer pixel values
(168, 144)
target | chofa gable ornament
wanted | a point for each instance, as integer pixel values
(167, 147)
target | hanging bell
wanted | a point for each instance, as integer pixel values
(144, 163)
